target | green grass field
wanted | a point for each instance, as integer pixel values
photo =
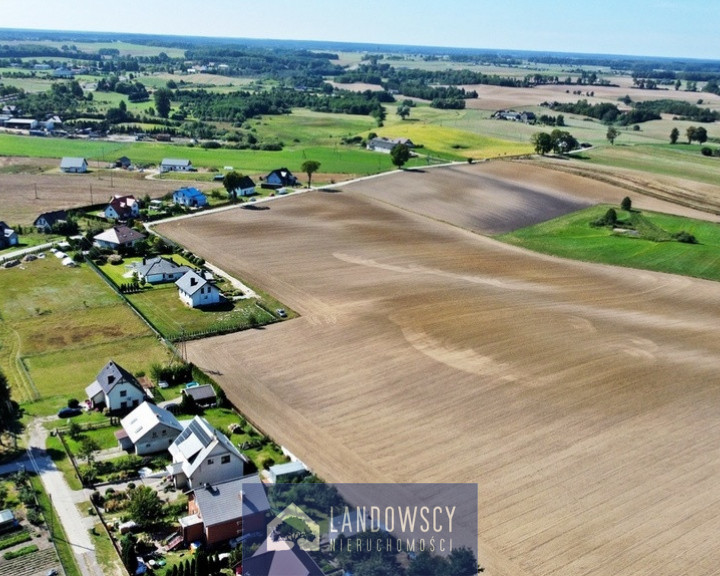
(163, 307)
(572, 237)
(63, 325)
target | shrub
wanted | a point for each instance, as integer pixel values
(706, 151)
(20, 552)
(115, 259)
(34, 516)
(685, 237)
(13, 540)
(626, 204)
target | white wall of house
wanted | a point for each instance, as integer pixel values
(219, 466)
(124, 393)
(206, 296)
(156, 440)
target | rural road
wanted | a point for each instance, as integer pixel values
(64, 499)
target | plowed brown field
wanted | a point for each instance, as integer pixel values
(583, 399)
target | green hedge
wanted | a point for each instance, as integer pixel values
(20, 552)
(15, 539)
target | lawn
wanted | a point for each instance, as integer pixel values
(60, 326)
(572, 237)
(163, 307)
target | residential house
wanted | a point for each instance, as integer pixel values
(279, 178)
(8, 236)
(148, 429)
(123, 162)
(159, 270)
(122, 208)
(201, 454)
(118, 237)
(196, 291)
(203, 395)
(386, 145)
(191, 197)
(220, 511)
(47, 220)
(115, 388)
(175, 165)
(246, 187)
(73, 165)
(278, 557)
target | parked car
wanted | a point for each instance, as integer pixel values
(281, 312)
(69, 412)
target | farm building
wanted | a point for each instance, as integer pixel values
(201, 454)
(118, 237)
(215, 514)
(159, 270)
(73, 165)
(47, 220)
(279, 178)
(22, 123)
(123, 162)
(246, 187)
(191, 197)
(122, 208)
(203, 395)
(63, 72)
(196, 291)
(148, 429)
(115, 388)
(386, 145)
(8, 236)
(175, 165)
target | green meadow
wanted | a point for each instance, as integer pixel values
(571, 236)
(59, 327)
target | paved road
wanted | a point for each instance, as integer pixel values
(63, 498)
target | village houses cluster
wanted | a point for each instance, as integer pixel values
(225, 502)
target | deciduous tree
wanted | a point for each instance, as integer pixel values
(543, 142)
(145, 506)
(231, 182)
(612, 134)
(310, 167)
(674, 135)
(400, 154)
(162, 102)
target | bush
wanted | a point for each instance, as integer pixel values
(13, 540)
(20, 552)
(685, 237)
(626, 204)
(34, 516)
(706, 151)
(115, 259)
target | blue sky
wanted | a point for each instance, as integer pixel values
(681, 28)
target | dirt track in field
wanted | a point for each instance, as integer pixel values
(582, 399)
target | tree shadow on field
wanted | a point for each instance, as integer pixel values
(255, 207)
(330, 190)
(414, 170)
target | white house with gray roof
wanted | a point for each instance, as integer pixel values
(196, 291)
(149, 429)
(175, 165)
(203, 455)
(116, 388)
(118, 237)
(73, 165)
(159, 270)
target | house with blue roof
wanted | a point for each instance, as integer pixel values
(190, 197)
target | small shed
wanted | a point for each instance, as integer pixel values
(204, 395)
(7, 520)
(285, 472)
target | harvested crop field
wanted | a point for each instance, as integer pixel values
(581, 398)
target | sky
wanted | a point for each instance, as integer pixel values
(671, 28)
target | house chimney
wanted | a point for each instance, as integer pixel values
(193, 281)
